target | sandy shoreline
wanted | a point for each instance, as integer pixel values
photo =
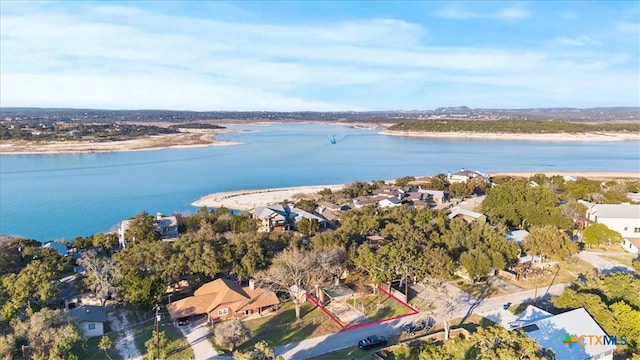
(248, 199)
(186, 139)
(560, 137)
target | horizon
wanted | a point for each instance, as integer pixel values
(318, 56)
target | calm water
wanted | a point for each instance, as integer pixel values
(50, 197)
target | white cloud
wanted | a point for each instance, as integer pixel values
(581, 40)
(102, 58)
(506, 14)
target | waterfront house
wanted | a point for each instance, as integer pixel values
(466, 175)
(90, 319)
(283, 217)
(59, 248)
(223, 299)
(166, 226)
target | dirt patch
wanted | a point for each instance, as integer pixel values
(125, 343)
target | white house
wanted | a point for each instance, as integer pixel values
(465, 175)
(517, 235)
(389, 202)
(571, 335)
(632, 245)
(623, 218)
(90, 319)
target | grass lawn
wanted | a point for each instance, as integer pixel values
(421, 304)
(177, 348)
(93, 352)
(380, 306)
(621, 259)
(283, 328)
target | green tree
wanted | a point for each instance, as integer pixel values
(572, 299)
(476, 262)
(157, 346)
(404, 181)
(105, 344)
(308, 226)
(629, 321)
(142, 228)
(496, 342)
(261, 351)
(49, 334)
(549, 242)
(597, 234)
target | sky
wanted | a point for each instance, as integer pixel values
(318, 55)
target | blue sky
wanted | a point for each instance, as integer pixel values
(319, 55)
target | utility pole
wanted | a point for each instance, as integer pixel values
(157, 309)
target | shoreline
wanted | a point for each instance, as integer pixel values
(248, 199)
(188, 138)
(554, 137)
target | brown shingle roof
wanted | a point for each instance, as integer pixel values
(222, 293)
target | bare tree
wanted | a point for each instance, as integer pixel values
(100, 271)
(231, 333)
(291, 271)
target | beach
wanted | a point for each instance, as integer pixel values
(556, 137)
(248, 199)
(185, 139)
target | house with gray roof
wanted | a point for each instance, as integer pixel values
(59, 248)
(166, 226)
(467, 215)
(283, 217)
(90, 319)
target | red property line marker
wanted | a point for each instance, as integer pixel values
(335, 319)
(346, 328)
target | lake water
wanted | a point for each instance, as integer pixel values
(49, 197)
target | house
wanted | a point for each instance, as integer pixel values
(465, 175)
(90, 319)
(517, 235)
(284, 217)
(571, 335)
(360, 202)
(632, 245)
(467, 215)
(570, 178)
(623, 218)
(437, 196)
(375, 241)
(389, 202)
(223, 299)
(59, 248)
(166, 226)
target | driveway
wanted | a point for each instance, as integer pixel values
(603, 265)
(197, 335)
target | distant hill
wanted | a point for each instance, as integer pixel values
(626, 114)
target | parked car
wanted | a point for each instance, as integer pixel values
(372, 341)
(420, 325)
(506, 306)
